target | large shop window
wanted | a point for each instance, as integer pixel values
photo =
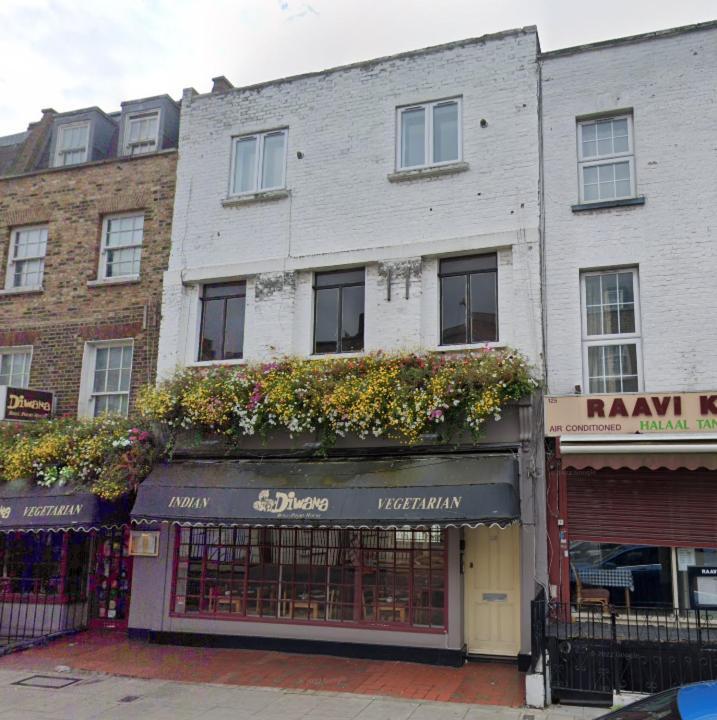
(369, 577)
(645, 576)
(44, 564)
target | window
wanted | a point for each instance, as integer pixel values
(141, 133)
(72, 143)
(469, 300)
(47, 564)
(376, 577)
(339, 311)
(26, 262)
(611, 331)
(121, 246)
(259, 162)
(111, 364)
(222, 331)
(605, 159)
(429, 134)
(15, 366)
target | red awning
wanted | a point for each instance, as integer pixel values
(632, 461)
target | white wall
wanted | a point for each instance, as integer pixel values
(669, 83)
(342, 210)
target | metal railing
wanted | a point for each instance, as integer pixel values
(34, 616)
(593, 651)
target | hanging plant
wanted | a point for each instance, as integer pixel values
(400, 397)
(108, 455)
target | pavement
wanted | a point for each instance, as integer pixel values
(97, 696)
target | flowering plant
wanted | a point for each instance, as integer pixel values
(400, 397)
(107, 455)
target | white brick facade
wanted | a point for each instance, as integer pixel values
(668, 83)
(343, 211)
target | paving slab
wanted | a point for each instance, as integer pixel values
(100, 696)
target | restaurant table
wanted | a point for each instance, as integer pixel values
(609, 577)
(389, 606)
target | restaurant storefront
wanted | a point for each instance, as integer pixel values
(632, 540)
(377, 557)
(633, 497)
(62, 562)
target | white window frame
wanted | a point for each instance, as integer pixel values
(85, 406)
(60, 151)
(427, 107)
(129, 147)
(20, 350)
(102, 270)
(258, 163)
(12, 261)
(633, 338)
(608, 159)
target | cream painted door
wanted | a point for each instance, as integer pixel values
(492, 590)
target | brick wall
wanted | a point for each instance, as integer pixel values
(58, 321)
(342, 210)
(668, 83)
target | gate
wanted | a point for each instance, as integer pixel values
(592, 653)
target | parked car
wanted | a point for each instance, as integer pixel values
(690, 702)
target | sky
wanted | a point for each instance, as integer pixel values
(69, 54)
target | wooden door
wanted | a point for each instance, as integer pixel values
(492, 590)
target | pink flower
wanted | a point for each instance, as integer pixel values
(436, 414)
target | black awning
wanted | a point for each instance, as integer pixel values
(436, 490)
(29, 507)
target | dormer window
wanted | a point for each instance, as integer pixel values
(141, 133)
(72, 144)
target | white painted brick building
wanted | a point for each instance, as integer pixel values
(344, 197)
(341, 208)
(665, 84)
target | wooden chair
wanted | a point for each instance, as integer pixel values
(590, 596)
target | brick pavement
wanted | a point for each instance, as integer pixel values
(474, 683)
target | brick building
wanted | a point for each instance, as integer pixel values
(85, 222)
(403, 190)
(629, 254)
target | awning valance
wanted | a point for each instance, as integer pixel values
(436, 490)
(633, 452)
(29, 507)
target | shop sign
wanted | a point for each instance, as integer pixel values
(25, 404)
(144, 543)
(703, 587)
(628, 414)
(410, 504)
(49, 511)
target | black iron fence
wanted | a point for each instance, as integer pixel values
(27, 617)
(592, 651)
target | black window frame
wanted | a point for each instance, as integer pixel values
(467, 274)
(203, 299)
(340, 286)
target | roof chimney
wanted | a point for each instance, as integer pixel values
(221, 85)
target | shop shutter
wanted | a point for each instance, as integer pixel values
(640, 507)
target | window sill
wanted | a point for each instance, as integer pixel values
(250, 199)
(336, 355)
(128, 280)
(469, 346)
(428, 172)
(625, 202)
(216, 363)
(22, 291)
